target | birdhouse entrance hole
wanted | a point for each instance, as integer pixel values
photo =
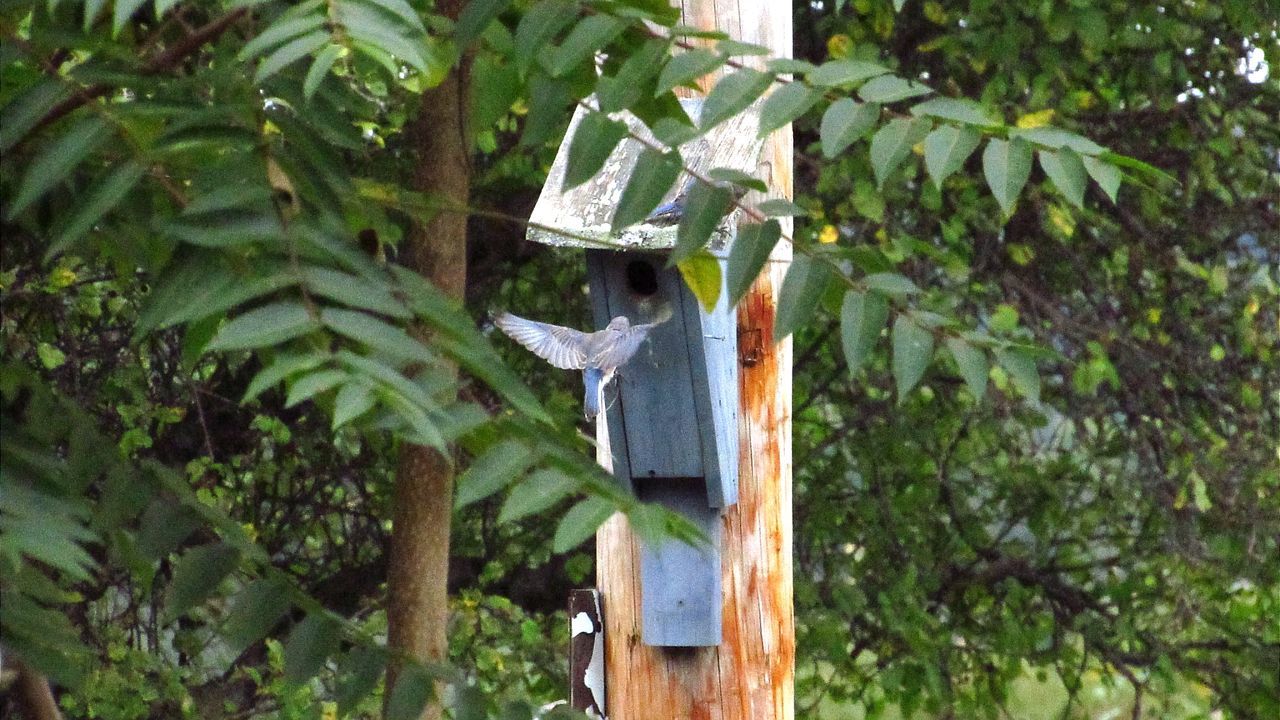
(642, 277)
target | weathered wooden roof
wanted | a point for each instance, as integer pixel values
(583, 214)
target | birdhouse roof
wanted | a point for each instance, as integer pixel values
(582, 216)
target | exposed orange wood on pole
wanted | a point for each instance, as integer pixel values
(750, 676)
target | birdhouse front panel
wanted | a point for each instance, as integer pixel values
(653, 407)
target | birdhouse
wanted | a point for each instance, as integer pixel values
(671, 415)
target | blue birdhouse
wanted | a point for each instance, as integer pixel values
(671, 414)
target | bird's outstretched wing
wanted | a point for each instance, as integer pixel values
(561, 346)
(616, 354)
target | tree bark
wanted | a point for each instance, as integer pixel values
(33, 695)
(418, 562)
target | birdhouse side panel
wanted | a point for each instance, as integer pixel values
(720, 357)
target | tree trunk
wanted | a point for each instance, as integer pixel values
(418, 562)
(32, 694)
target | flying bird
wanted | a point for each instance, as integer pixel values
(598, 355)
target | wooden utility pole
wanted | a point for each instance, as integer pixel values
(750, 675)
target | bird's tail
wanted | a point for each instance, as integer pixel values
(592, 379)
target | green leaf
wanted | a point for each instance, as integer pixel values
(701, 272)
(403, 11)
(653, 175)
(892, 144)
(288, 53)
(56, 161)
(354, 291)
(268, 325)
(548, 99)
(730, 47)
(226, 229)
(1021, 367)
(973, 366)
(946, 150)
(958, 109)
(377, 335)
(319, 69)
(891, 88)
(1053, 137)
(580, 523)
(786, 104)
(593, 141)
(92, 9)
(536, 493)
(781, 207)
(731, 95)
(862, 317)
(591, 34)
(630, 85)
(890, 284)
(845, 72)
(284, 366)
(844, 122)
(475, 17)
(1125, 161)
(1007, 165)
(802, 288)
(751, 249)
(312, 384)
(539, 26)
(412, 691)
(458, 339)
(357, 675)
(308, 646)
(124, 10)
(367, 25)
(686, 67)
(1105, 174)
(737, 177)
(25, 110)
(704, 208)
(256, 609)
(279, 32)
(353, 400)
(499, 466)
(912, 350)
(1067, 172)
(99, 200)
(197, 574)
(200, 287)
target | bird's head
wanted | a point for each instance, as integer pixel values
(619, 324)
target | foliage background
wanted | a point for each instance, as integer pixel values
(1054, 546)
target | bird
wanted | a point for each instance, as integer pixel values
(670, 213)
(598, 354)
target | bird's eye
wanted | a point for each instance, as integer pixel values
(642, 278)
